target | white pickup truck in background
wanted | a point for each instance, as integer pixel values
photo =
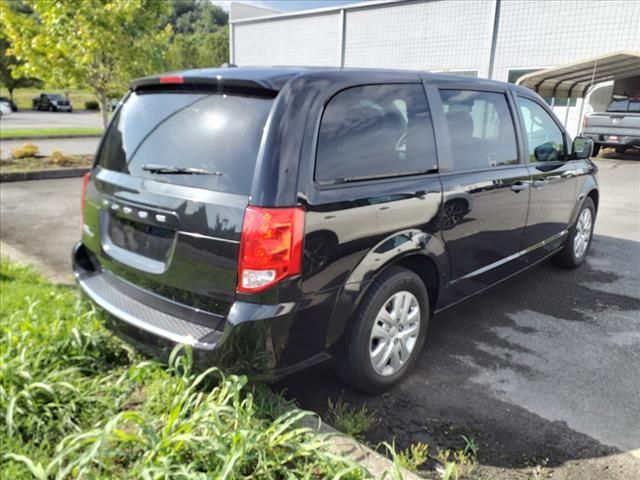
(618, 127)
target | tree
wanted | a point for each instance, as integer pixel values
(201, 37)
(197, 16)
(96, 44)
(215, 49)
(9, 78)
(198, 50)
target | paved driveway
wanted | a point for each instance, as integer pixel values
(542, 369)
(31, 119)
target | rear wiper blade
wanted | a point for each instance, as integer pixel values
(167, 169)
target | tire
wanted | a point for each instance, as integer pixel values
(570, 257)
(52, 108)
(621, 150)
(596, 149)
(356, 365)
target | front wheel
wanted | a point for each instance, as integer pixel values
(579, 238)
(387, 332)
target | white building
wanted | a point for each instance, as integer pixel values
(498, 39)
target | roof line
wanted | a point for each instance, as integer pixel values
(526, 77)
(318, 11)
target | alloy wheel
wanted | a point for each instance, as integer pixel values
(583, 233)
(394, 333)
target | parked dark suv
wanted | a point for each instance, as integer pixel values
(54, 102)
(277, 218)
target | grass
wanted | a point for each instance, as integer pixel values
(50, 132)
(76, 402)
(40, 163)
(350, 420)
(414, 456)
(24, 96)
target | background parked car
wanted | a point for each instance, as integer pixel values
(54, 102)
(5, 108)
(12, 104)
(618, 127)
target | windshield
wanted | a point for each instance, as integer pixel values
(56, 96)
(215, 132)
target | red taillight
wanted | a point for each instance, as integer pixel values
(172, 79)
(270, 247)
(585, 122)
(83, 193)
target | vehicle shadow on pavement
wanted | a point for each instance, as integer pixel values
(539, 370)
(612, 155)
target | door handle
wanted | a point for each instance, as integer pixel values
(519, 186)
(539, 183)
(568, 175)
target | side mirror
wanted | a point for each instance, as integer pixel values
(546, 152)
(582, 148)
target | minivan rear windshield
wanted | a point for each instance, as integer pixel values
(216, 132)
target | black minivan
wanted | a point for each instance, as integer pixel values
(275, 218)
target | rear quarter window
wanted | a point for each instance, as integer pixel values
(216, 132)
(375, 131)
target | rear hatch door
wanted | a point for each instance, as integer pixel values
(173, 178)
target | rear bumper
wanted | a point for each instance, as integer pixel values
(623, 140)
(266, 342)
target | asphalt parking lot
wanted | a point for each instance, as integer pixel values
(542, 370)
(28, 119)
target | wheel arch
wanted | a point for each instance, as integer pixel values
(427, 269)
(587, 189)
(594, 194)
(424, 254)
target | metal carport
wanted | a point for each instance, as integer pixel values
(575, 79)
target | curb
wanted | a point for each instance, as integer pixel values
(342, 445)
(376, 464)
(43, 174)
(51, 137)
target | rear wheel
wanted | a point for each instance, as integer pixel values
(579, 239)
(387, 332)
(621, 150)
(596, 149)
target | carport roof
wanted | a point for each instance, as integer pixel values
(574, 79)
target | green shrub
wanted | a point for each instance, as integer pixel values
(92, 105)
(60, 159)
(25, 151)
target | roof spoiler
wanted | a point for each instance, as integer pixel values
(217, 83)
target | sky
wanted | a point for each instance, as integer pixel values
(288, 5)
